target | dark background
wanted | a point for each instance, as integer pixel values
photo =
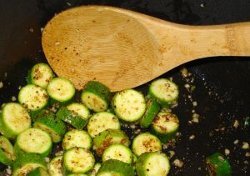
(222, 84)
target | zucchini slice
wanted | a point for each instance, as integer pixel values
(7, 155)
(107, 138)
(94, 171)
(41, 74)
(78, 160)
(55, 166)
(165, 125)
(164, 91)
(152, 164)
(77, 120)
(118, 152)
(34, 140)
(61, 90)
(38, 172)
(79, 110)
(218, 165)
(52, 125)
(33, 97)
(26, 163)
(146, 142)
(77, 175)
(153, 107)
(102, 121)
(14, 119)
(115, 168)
(96, 96)
(76, 138)
(129, 105)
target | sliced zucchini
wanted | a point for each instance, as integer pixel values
(218, 165)
(102, 121)
(26, 163)
(61, 90)
(76, 138)
(107, 138)
(7, 155)
(34, 140)
(78, 160)
(52, 125)
(118, 152)
(153, 107)
(33, 97)
(164, 91)
(55, 166)
(94, 171)
(152, 164)
(96, 96)
(77, 175)
(40, 75)
(165, 125)
(72, 118)
(115, 168)
(14, 119)
(38, 172)
(146, 142)
(79, 110)
(129, 105)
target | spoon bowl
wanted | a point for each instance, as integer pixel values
(125, 49)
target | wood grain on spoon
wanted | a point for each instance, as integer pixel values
(125, 49)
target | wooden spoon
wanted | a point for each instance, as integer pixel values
(124, 49)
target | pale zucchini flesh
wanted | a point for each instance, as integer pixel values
(129, 105)
(7, 155)
(79, 110)
(102, 121)
(55, 166)
(33, 97)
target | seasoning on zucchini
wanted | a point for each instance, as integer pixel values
(152, 109)
(52, 125)
(14, 119)
(115, 167)
(38, 172)
(34, 140)
(61, 89)
(119, 152)
(7, 155)
(26, 163)
(40, 75)
(218, 165)
(55, 166)
(74, 114)
(78, 160)
(165, 125)
(164, 91)
(129, 105)
(146, 142)
(96, 96)
(107, 138)
(76, 138)
(33, 97)
(152, 164)
(102, 121)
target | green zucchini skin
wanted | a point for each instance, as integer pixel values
(218, 165)
(116, 167)
(107, 138)
(101, 92)
(38, 172)
(152, 164)
(7, 155)
(52, 125)
(129, 105)
(6, 116)
(27, 162)
(94, 171)
(164, 91)
(67, 116)
(153, 107)
(165, 125)
(40, 74)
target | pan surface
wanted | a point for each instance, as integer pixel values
(221, 96)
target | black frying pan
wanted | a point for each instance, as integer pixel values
(222, 85)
